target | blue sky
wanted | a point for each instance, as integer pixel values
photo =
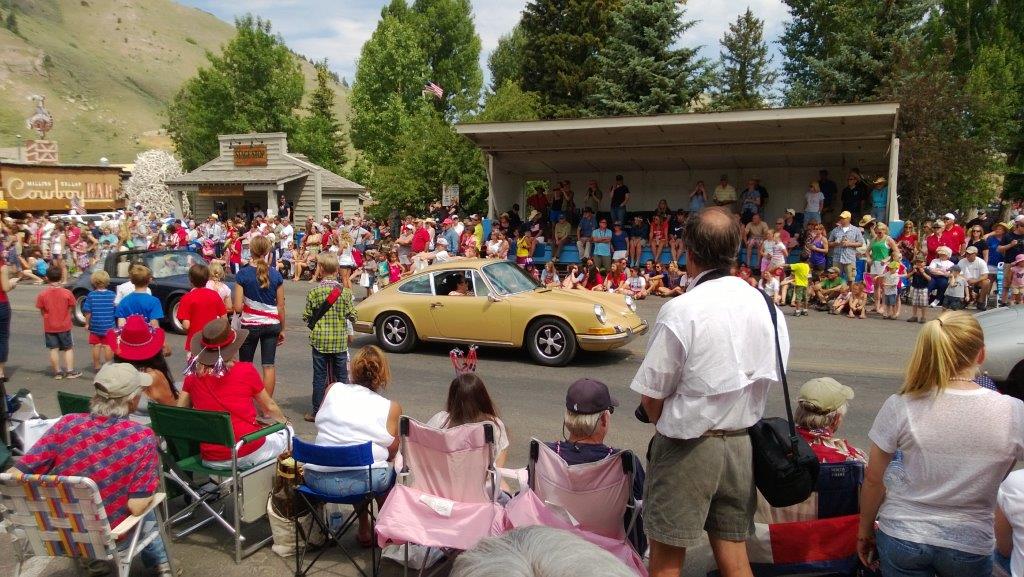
(337, 29)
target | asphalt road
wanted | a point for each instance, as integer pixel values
(868, 355)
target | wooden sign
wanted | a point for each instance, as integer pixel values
(250, 155)
(221, 190)
(42, 187)
(41, 152)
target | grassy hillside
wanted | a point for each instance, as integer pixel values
(107, 68)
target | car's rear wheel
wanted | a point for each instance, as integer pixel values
(551, 342)
(79, 316)
(172, 320)
(395, 333)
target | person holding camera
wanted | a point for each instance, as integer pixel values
(705, 378)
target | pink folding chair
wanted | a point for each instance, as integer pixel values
(447, 499)
(589, 499)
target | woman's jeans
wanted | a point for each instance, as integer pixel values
(343, 483)
(327, 368)
(153, 554)
(266, 337)
(5, 330)
(900, 558)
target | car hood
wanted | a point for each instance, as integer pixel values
(993, 318)
(1004, 340)
(611, 301)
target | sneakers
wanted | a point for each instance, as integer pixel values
(912, 320)
(72, 374)
(164, 570)
(935, 304)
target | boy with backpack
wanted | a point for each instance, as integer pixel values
(328, 307)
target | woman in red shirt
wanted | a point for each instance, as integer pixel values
(908, 242)
(216, 381)
(658, 235)
(933, 240)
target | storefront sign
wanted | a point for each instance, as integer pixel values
(250, 155)
(42, 187)
(221, 190)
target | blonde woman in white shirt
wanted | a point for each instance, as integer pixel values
(934, 506)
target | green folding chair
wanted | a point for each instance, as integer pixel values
(71, 403)
(247, 490)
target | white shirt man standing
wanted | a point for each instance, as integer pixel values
(705, 378)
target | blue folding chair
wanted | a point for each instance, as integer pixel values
(346, 456)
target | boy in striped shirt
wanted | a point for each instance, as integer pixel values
(98, 308)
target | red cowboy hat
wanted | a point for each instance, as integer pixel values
(137, 340)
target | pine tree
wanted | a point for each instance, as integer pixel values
(510, 103)
(506, 60)
(388, 87)
(842, 50)
(254, 85)
(561, 41)
(449, 40)
(638, 70)
(320, 136)
(745, 75)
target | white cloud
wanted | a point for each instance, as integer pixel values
(337, 29)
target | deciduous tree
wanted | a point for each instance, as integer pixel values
(506, 60)
(451, 45)
(254, 85)
(320, 135)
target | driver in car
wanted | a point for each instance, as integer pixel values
(461, 288)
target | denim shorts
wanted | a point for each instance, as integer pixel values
(890, 300)
(61, 341)
(266, 337)
(902, 558)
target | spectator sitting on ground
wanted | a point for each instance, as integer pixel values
(674, 282)
(588, 414)
(81, 444)
(828, 288)
(820, 407)
(537, 552)
(853, 302)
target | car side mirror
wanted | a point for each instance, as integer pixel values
(494, 298)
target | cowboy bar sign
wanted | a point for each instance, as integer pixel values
(250, 154)
(41, 187)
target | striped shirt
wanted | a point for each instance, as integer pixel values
(100, 305)
(260, 306)
(118, 454)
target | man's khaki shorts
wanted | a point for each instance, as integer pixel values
(698, 485)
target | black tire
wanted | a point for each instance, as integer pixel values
(172, 322)
(395, 333)
(1014, 383)
(78, 317)
(551, 342)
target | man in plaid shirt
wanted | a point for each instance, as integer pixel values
(329, 336)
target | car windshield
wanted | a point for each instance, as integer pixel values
(507, 278)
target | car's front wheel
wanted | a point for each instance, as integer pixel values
(395, 333)
(79, 316)
(551, 342)
(172, 320)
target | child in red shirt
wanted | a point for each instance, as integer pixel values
(200, 305)
(55, 304)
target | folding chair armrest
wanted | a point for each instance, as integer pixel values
(132, 520)
(261, 433)
(520, 476)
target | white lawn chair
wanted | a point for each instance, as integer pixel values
(64, 517)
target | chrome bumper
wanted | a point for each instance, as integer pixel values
(607, 342)
(363, 327)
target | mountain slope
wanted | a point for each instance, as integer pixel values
(107, 68)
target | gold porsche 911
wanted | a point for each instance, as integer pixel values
(496, 303)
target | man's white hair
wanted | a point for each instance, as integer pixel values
(538, 552)
(120, 407)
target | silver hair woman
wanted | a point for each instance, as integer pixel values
(537, 552)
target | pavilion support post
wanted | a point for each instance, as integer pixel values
(894, 174)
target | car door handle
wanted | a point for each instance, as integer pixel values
(435, 305)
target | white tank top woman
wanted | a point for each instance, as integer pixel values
(351, 415)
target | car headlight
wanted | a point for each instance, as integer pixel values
(631, 303)
(599, 313)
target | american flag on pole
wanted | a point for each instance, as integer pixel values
(436, 90)
(76, 204)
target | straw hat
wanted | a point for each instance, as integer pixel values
(866, 219)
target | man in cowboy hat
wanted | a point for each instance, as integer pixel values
(880, 199)
(90, 445)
